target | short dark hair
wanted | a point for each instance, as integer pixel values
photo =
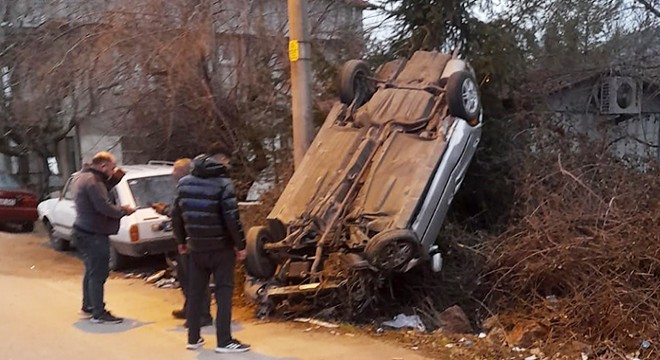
(219, 149)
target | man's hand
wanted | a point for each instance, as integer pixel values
(127, 209)
(160, 208)
(240, 254)
(183, 249)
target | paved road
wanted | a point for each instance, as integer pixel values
(39, 319)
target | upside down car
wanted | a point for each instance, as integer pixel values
(373, 190)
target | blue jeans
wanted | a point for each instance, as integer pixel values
(95, 251)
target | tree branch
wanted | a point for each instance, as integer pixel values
(649, 7)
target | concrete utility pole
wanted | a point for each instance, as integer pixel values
(300, 58)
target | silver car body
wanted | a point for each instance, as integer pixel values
(390, 165)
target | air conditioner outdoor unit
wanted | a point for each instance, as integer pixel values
(620, 95)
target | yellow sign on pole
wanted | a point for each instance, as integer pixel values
(294, 50)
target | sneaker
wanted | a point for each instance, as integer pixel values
(86, 313)
(179, 314)
(106, 318)
(234, 346)
(200, 342)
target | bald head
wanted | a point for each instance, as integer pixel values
(104, 162)
(181, 168)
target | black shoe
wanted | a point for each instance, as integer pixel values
(86, 313)
(179, 314)
(203, 322)
(234, 346)
(106, 318)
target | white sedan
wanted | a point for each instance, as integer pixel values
(142, 233)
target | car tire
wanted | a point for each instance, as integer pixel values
(354, 83)
(116, 260)
(391, 250)
(56, 242)
(27, 227)
(463, 96)
(257, 262)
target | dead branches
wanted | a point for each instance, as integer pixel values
(586, 267)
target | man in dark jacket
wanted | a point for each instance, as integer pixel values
(96, 218)
(205, 214)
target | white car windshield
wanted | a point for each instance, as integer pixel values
(152, 189)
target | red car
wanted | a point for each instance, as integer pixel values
(17, 204)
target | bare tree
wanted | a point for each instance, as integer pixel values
(166, 78)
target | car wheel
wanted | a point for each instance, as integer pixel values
(117, 261)
(28, 227)
(463, 96)
(257, 262)
(354, 83)
(391, 250)
(56, 242)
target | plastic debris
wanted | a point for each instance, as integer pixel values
(531, 357)
(584, 356)
(317, 322)
(482, 335)
(645, 344)
(406, 321)
(166, 283)
(157, 276)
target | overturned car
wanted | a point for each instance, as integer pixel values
(372, 192)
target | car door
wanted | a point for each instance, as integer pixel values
(64, 212)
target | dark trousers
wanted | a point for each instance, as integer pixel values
(202, 265)
(183, 273)
(95, 251)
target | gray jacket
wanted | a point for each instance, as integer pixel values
(95, 213)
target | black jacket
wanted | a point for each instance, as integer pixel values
(205, 212)
(95, 213)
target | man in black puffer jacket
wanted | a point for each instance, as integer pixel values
(206, 223)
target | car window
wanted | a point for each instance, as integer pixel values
(152, 189)
(68, 190)
(7, 181)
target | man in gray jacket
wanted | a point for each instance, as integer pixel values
(96, 218)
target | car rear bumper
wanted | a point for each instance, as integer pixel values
(142, 248)
(18, 214)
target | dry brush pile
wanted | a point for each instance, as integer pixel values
(581, 256)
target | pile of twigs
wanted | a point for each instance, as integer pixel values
(582, 256)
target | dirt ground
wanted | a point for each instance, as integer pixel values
(31, 268)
